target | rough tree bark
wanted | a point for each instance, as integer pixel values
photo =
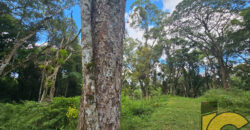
(100, 101)
(88, 116)
(108, 31)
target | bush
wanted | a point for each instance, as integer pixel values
(62, 113)
(134, 112)
(32, 115)
(233, 99)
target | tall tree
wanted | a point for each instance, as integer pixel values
(103, 31)
(145, 16)
(206, 23)
(32, 16)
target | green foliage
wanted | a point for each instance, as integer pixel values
(41, 66)
(177, 113)
(63, 53)
(135, 111)
(53, 50)
(72, 112)
(39, 116)
(137, 94)
(49, 68)
(90, 67)
(240, 77)
(235, 100)
(161, 112)
(145, 13)
(8, 84)
(72, 115)
(50, 83)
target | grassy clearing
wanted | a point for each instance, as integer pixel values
(180, 113)
(173, 113)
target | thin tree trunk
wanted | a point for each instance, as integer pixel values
(54, 76)
(164, 87)
(41, 85)
(66, 90)
(223, 73)
(53, 80)
(45, 89)
(143, 89)
(42, 80)
(147, 88)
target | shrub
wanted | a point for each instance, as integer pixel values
(32, 115)
(134, 112)
(233, 99)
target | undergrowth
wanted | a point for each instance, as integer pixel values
(160, 112)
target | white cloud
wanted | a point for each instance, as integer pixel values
(41, 44)
(135, 33)
(170, 4)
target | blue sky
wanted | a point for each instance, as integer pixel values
(165, 5)
(76, 10)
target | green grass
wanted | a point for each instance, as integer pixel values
(173, 113)
(158, 113)
(180, 113)
(177, 113)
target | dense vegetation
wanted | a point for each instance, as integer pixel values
(198, 52)
(159, 112)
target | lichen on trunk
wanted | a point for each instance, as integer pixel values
(108, 32)
(102, 40)
(88, 116)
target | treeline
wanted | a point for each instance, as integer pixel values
(31, 70)
(203, 44)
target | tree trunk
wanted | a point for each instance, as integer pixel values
(165, 87)
(155, 80)
(143, 89)
(101, 95)
(41, 85)
(54, 76)
(147, 88)
(45, 89)
(66, 90)
(88, 115)
(53, 80)
(108, 31)
(223, 73)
